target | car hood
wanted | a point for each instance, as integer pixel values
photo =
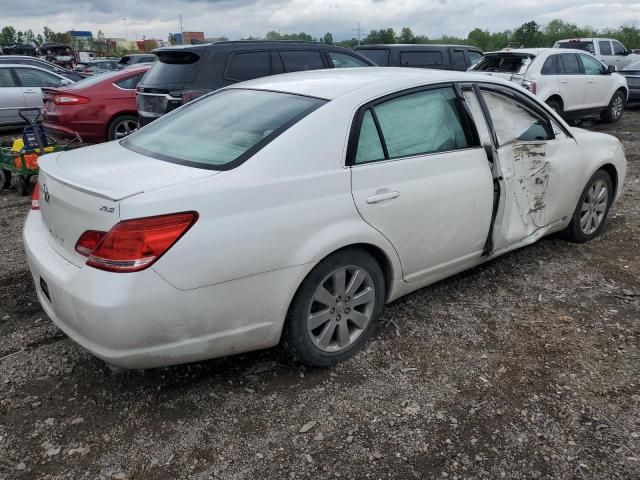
(111, 171)
(635, 65)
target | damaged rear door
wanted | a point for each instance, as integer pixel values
(536, 167)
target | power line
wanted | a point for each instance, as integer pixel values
(358, 32)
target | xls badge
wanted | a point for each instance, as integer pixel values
(45, 191)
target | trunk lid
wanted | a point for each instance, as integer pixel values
(81, 189)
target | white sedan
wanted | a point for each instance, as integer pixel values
(292, 208)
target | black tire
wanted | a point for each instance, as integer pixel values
(297, 338)
(22, 185)
(5, 179)
(556, 106)
(117, 122)
(614, 110)
(575, 231)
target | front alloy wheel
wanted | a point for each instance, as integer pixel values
(335, 308)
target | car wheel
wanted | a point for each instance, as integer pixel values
(5, 179)
(555, 106)
(122, 126)
(592, 209)
(335, 309)
(616, 107)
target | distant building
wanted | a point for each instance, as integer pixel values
(122, 44)
(188, 38)
(80, 34)
(147, 45)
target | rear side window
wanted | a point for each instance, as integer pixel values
(342, 60)
(248, 65)
(605, 47)
(579, 45)
(221, 130)
(414, 124)
(513, 122)
(571, 65)
(129, 83)
(507, 63)
(6, 79)
(424, 58)
(379, 56)
(299, 60)
(172, 68)
(550, 66)
(457, 60)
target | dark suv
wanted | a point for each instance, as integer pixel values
(185, 72)
(441, 57)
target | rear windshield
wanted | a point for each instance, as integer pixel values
(377, 56)
(94, 80)
(221, 130)
(578, 45)
(171, 68)
(507, 63)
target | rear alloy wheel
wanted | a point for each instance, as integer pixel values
(616, 106)
(335, 309)
(122, 127)
(592, 208)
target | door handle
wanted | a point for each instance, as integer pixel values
(381, 196)
(29, 91)
(564, 81)
(591, 81)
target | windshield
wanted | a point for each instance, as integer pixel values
(507, 63)
(221, 130)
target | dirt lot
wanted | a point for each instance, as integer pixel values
(528, 367)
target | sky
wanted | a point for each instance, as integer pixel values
(241, 18)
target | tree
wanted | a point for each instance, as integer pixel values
(39, 40)
(528, 35)
(8, 35)
(328, 38)
(406, 36)
(29, 37)
(380, 36)
(173, 39)
(47, 34)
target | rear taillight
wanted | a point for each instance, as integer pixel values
(529, 85)
(187, 95)
(134, 245)
(35, 200)
(69, 100)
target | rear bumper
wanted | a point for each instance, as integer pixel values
(59, 131)
(139, 320)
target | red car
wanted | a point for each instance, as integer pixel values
(99, 108)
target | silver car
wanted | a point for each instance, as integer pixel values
(21, 87)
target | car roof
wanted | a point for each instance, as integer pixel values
(245, 43)
(412, 45)
(536, 51)
(333, 83)
(584, 39)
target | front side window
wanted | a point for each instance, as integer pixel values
(414, 124)
(457, 60)
(618, 49)
(299, 60)
(571, 64)
(342, 60)
(222, 130)
(605, 47)
(248, 65)
(513, 122)
(426, 58)
(30, 77)
(591, 66)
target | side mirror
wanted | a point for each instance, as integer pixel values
(65, 82)
(612, 69)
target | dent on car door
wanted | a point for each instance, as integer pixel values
(421, 178)
(538, 165)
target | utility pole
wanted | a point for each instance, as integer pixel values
(126, 35)
(358, 32)
(181, 32)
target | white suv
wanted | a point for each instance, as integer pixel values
(573, 83)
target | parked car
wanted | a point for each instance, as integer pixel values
(21, 87)
(94, 67)
(632, 73)
(294, 207)
(101, 108)
(574, 84)
(136, 58)
(59, 53)
(610, 51)
(38, 62)
(183, 73)
(18, 49)
(441, 57)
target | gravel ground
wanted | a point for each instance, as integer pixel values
(527, 367)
